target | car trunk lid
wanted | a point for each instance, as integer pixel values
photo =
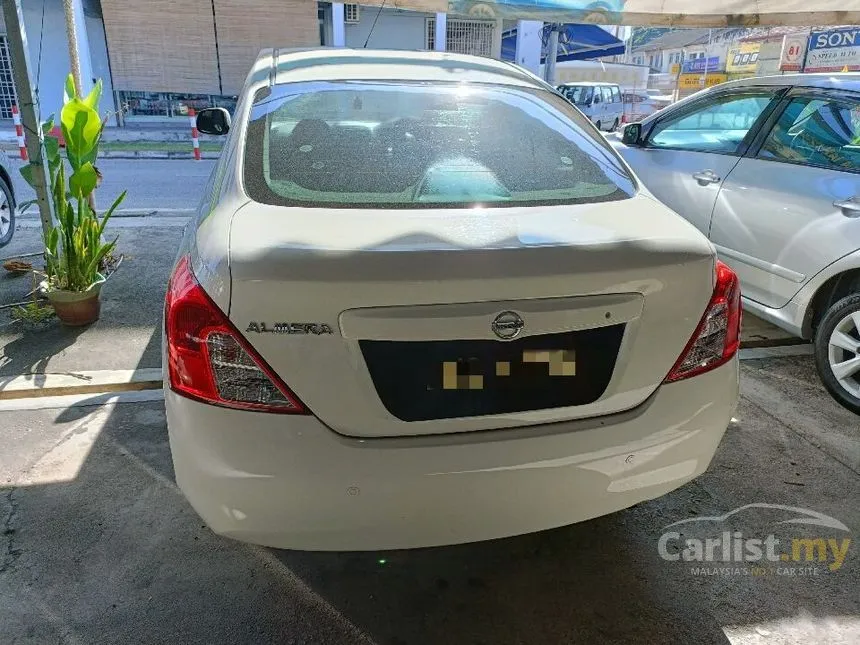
(382, 321)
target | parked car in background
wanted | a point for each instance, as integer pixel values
(600, 102)
(639, 104)
(7, 202)
(769, 169)
(474, 336)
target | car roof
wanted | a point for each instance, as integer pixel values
(839, 80)
(330, 64)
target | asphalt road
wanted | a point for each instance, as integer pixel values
(152, 184)
(97, 545)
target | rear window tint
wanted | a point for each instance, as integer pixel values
(358, 144)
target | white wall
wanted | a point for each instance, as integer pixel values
(50, 76)
(394, 30)
(101, 68)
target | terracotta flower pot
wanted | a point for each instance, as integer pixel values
(76, 308)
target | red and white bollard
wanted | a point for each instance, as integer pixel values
(19, 132)
(195, 136)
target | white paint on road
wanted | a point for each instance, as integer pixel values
(151, 212)
(124, 222)
(79, 400)
(78, 382)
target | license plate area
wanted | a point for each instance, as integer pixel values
(426, 380)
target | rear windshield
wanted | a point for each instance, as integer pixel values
(356, 144)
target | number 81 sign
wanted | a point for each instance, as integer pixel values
(793, 50)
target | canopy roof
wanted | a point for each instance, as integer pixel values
(575, 42)
(713, 13)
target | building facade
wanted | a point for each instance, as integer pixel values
(159, 58)
(45, 25)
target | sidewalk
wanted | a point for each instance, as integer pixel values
(128, 334)
(139, 141)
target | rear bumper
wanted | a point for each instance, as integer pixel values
(290, 482)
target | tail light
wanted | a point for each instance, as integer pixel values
(209, 360)
(717, 337)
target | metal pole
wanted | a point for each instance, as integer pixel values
(551, 55)
(707, 58)
(29, 107)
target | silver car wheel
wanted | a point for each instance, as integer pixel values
(844, 353)
(5, 216)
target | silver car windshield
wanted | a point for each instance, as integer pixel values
(408, 145)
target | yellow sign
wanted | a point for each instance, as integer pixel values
(743, 59)
(676, 67)
(698, 81)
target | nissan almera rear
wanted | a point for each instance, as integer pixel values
(425, 303)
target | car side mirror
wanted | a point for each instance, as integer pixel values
(632, 135)
(213, 121)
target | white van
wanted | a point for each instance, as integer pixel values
(600, 102)
(639, 104)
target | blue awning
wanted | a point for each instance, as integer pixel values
(575, 42)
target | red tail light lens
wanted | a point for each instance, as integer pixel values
(718, 335)
(209, 360)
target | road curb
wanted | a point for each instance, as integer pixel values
(155, 154)
(137, 154)
(28, 386)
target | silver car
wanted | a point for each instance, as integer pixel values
(7, 202)
(769, 169)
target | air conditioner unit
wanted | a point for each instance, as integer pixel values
(351, 13)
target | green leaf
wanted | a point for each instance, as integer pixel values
(82, 129)
(110, 211)
(103, 250)
(91, 155)
(48, 125)
(69, 89)
(24, 206)
(75, 247)
(52, 148)
(83, 181)
(92, 99)
(27, 173)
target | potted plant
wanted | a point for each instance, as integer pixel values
(75, 248)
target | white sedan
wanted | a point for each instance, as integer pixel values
(423, 303)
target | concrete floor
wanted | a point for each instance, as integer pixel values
(99, 546)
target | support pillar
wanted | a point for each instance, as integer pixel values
(338, 29)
